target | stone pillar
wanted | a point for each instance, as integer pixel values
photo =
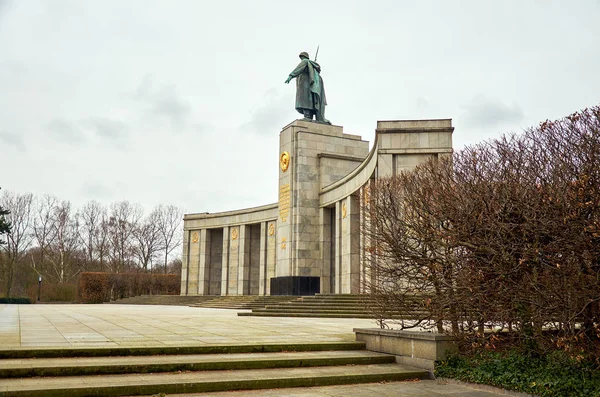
(234, 259)
(243, 276)
(366, 257)
(185, 263)
(204, 263)
(350, 238)
(271, 255)
(338, 248)
(262, 275)
(302, 145)
(193, 262)
(225, 263)
(326, 251)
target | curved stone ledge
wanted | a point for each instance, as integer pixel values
(227, 218)
(353, 181)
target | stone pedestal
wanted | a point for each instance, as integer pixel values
(312, 155)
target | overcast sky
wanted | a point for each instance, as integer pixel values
(182, 102)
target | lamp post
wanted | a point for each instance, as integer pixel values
(39, 286)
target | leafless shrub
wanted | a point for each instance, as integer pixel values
(505, 236)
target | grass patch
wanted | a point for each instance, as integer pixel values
(553, 375)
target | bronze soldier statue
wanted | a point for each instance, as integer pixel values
(310, 91)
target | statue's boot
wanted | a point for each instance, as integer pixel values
(322, 119)
(308, 115)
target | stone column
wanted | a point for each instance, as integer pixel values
(243, 276)
(262, 275)
(234, 259)
(204, 263)
(350, 237)
(225, 263)
(326, 252)
(185, 263)
(271, 255)
(193, 262)
(366, 257)
(338, 248)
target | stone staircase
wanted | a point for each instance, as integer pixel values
(192, 369)
(328, 306)
(174, 300)
(320, 305)
(333, 306)
(242, 301)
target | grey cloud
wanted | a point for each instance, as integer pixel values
(13, 139)
(65, 131)
(421, 102)
(91, 189)
(486, 112)
(5, 6)
(271, 115)
(114, 131)
(164, 102)
(173, 107)
(201, 127)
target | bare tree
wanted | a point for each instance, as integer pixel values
(19, 239)
(411, 273)
(91, 216)
(43, 231)
(62, 253)
(123, 220)
(101, 239)
(147, 239)
(169, 220)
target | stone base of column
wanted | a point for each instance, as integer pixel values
(295, 285)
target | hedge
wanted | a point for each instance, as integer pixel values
(102, 287)
(15, 300)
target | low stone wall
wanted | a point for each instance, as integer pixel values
(417, 349)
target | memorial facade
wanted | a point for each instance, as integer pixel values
(309, 241)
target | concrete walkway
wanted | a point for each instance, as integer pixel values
(55, 326)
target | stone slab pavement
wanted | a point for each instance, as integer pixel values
(148, 325)
(52, 326)
(421, 388)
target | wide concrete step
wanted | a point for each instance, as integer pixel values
(305, 314)
(241, 302)
(205, 381)
(332, 311)
(312, 310)
(320, 304)
(23, 368)
(177, 350)
(314, 314)
(174, 300)
(323, 307)
(348, 301)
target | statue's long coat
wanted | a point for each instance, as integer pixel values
(310, 91)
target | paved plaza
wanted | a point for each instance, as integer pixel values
(68, 326)
(38, 326)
